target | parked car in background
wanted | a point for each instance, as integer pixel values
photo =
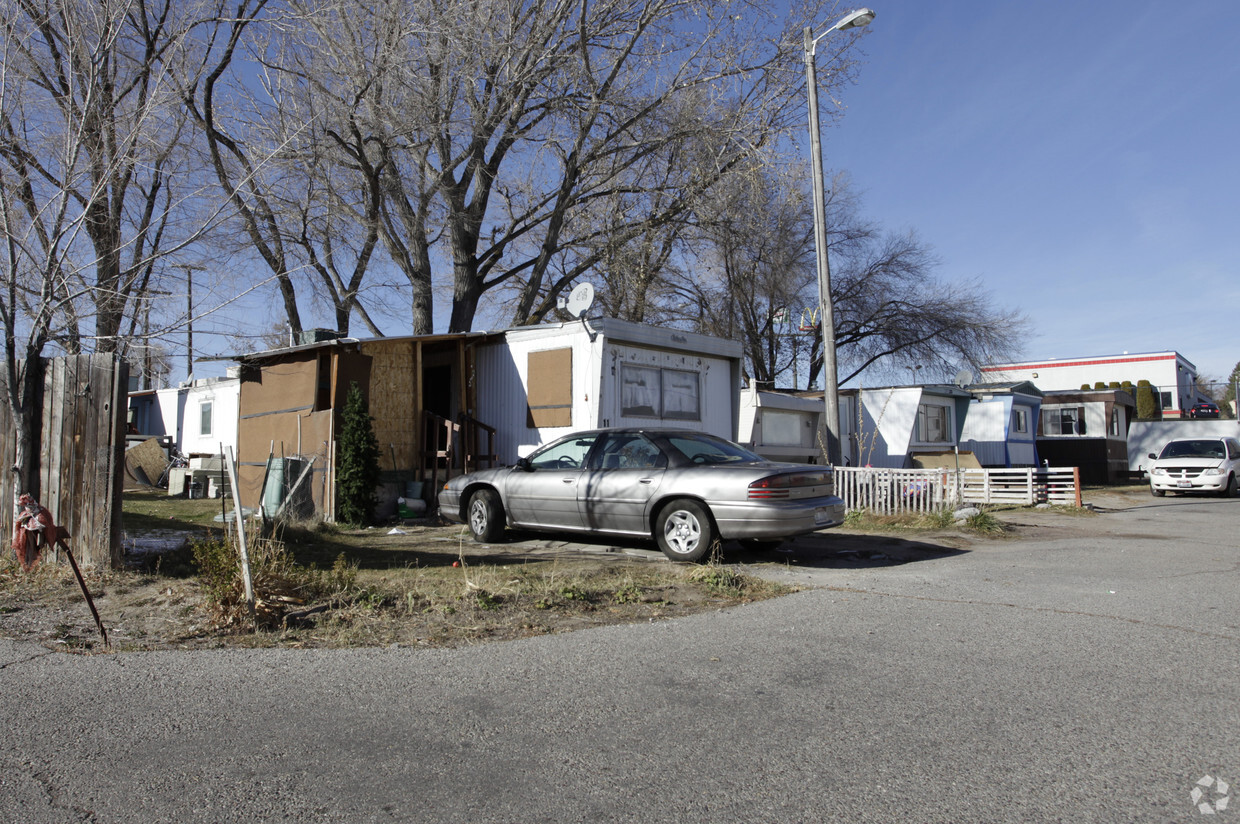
(1196, 465)
(1203, 410)
(682, 488)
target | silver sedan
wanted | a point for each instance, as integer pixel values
(683, 488)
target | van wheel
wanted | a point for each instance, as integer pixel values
(486, 516)
(684, 530)
(1231, 491)
(1157, 493)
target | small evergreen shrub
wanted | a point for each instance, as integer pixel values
(357, 473)
(1147, 404)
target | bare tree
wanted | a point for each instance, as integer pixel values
(534, 139)
(90, 177)
(754, 268)
(754, 243)
(282, 134)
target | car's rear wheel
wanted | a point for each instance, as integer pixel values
(486, 516)
(1157, 493)
(684, 530)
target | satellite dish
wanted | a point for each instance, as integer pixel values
(580, 299)
(963, 378)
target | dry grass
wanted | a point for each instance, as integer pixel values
(321, 586)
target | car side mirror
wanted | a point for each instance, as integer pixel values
(1153, 457)
(524, 465)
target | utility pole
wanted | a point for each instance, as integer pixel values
(189, 321)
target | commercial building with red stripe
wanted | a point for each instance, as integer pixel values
(1173, 377)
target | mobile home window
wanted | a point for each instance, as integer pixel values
(640, 390)
(1114, 431)
(651, 392)
(932, 423)
(1021, 423)
(681, 397)
(781, 428)
(1064, 421)
(205, 417)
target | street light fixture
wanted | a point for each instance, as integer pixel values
(830, 379)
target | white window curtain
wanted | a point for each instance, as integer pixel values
(640, 389)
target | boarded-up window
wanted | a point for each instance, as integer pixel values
(781, 428)
(549, 391)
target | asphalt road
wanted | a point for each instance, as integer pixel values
(1088, 675)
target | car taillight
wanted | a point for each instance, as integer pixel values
(781, 486)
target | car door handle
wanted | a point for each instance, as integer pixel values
(647, 480)
(568, 480)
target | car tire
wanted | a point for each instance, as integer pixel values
(684, 530)
(761, 544)
(485, 516)
(1232, 490)
(1157, 493)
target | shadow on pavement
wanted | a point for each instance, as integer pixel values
(841, 550)
(826, 550)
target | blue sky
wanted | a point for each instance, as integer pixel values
(1081, 159)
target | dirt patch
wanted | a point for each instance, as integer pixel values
(416, 586)
(421, 584)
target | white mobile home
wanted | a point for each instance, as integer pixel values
(780, 426)
(898, 422)
(199, 416)
(537, 383)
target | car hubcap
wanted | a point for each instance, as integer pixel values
(478, 517)
(682, 532)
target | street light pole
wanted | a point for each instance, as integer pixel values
(830, 378)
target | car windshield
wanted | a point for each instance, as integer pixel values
(1194, 449)
(705, 449)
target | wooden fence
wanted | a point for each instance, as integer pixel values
(918, 491)
(80, 452)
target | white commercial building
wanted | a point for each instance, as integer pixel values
(1173, 377)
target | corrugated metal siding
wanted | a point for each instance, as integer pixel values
(985, 431)
(1022, 454)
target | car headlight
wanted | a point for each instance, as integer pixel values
(1214, 470)
(1158, 470)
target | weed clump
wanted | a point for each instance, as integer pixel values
(981, 522)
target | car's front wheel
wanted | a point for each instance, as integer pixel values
(1157, 493)
(486, 516)
(684, 530)
(1231, 490)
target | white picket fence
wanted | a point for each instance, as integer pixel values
(900, 491)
